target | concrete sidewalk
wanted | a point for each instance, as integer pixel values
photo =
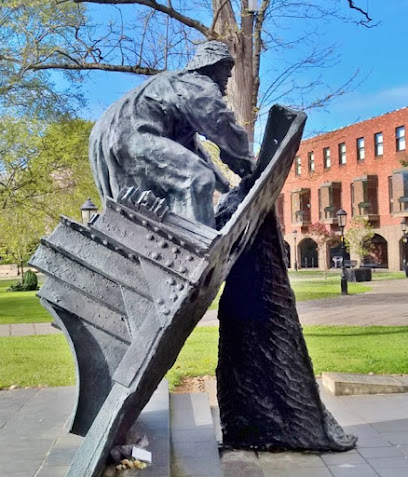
(386, 304)
(34, 441)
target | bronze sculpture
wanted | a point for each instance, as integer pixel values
(129, 288)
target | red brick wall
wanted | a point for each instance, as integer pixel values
(382, 166)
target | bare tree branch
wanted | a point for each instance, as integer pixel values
(168, 10)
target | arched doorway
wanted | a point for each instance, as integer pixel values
(379, 252)
(308, 253)
(336, 256)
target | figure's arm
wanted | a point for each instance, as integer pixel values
(209, 115)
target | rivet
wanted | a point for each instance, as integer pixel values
(81, 229)
(183, 269)
(190, 258)
(144, 223)
(169, 263)
(150, 237)
(171, 281)
(175, 250)
(105, 242)
(160, 301)
(182, 243)
(180, 287)
(68, 223)
(93, 236)
(118, 209)
(163, 244)
(131, 216)
(155, 256)
(156, 229)
(170, 237)
(130, 255)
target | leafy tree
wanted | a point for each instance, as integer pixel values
(358, 238)
(146, 37)
(45, 168)
(324, 239)
(21, 231)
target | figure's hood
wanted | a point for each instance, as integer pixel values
(209, 53)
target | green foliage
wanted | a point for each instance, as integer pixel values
(358, 237)
(31, 34)
(30, 280)
(44, 172)
(324, 238)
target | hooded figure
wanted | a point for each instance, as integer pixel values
(149, 138)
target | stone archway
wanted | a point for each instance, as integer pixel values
(379, 252)
(308, 253)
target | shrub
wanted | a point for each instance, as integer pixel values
(30, 281)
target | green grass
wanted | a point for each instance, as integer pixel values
(46, 360)
(20, 307)
(36, 361)
(348, 349)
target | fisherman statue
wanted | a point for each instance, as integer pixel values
(128, 288)
(149, 138)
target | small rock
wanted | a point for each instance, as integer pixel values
(371, 373)
(13, 386)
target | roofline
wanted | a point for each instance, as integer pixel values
(353, 124)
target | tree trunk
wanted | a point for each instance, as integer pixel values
(240, 42)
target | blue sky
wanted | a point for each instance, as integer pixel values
(378, 54)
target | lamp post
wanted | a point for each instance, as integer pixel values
(88, 209)
(404, 227)
(294, 233)
(341, 220)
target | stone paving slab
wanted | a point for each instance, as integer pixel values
(193, 442)
(342, 384)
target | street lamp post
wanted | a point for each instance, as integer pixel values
(341, 220)
(88, 209)
(404, 226)
(294, 233)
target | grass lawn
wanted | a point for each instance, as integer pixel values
(348, 349)
(46, 360)
(20, 307)
(36, 361)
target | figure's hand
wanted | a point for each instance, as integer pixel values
(246, 167)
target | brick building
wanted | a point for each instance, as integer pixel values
(358, 168)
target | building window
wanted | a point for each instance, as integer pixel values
(378, 144)
(326, 157)
(365, 197)
(400, 138)
(301, 207)
(360, 149)
(329, 195)
(298, 166)
(398, 189)
(342, 153)
(311, 161)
